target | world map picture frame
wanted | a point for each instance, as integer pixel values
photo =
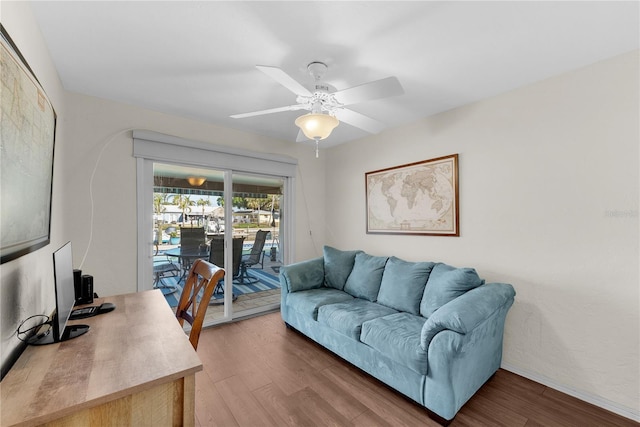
(419, 198)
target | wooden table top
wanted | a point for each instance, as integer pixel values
(137, 346)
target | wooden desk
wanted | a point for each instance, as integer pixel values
(135, 367)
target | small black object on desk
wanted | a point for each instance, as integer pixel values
(82, 313)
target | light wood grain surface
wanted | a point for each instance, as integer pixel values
(138, 348)
(259, 373)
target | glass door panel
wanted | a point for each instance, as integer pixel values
(256, 222)
(188, 225)
(231, 219)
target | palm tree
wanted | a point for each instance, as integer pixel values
(256, 204)
(203, 203)
(274, 205)
(183, 203)
(238, 202)
(159, 200)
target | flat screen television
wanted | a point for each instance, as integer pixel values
(28, 127)
(65, 300)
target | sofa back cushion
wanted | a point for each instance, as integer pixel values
(403, 284)
(446, 283)
(366, 276)
(337, 266)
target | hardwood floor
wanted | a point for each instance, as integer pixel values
(259, 373)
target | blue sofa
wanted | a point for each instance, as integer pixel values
(431, 331)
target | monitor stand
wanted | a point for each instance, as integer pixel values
(70, 332)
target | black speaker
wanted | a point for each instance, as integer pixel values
(77, 284)
(87, 289)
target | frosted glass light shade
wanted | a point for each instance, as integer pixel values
(196, 181)
(317, 126)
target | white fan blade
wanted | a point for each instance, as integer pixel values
(269, 111)
(383, 88)
(284, 79)
(359, 120)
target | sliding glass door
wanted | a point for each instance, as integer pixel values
(226, 194)
(231, 219)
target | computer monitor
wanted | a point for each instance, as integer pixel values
(65, 300)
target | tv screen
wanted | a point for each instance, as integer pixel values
(65, 300)
(65, 291)
(27, 127)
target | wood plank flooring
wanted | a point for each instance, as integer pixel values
(258, 373)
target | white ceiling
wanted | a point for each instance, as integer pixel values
(197, 59)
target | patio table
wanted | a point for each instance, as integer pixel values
(187, 257)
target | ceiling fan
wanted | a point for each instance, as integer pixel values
(325, 104)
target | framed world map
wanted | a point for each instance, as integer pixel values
(416, 198)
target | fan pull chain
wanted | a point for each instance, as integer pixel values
(316, 148)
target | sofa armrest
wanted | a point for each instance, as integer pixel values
(466, 312)
(302, 275)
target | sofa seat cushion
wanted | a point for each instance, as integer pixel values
(308, 302)
(397, 336)
(348, 317)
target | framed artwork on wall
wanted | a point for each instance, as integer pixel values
(28, 127)
(418, 198)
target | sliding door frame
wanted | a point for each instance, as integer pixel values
(151, 147)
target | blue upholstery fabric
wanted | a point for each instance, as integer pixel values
(348, 317)
(446, 283)
(366, 276)
(337, 266)
(403, 284)
(460, 364)
(439, 362)
(466, 312)
(308, 302)
(397, 336)
(303, 276)
(368, 359)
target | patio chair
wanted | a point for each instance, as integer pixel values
(255, 257)
(192, 238)
(216, 257)
(156, 241)
(196, 295)
(163, 268)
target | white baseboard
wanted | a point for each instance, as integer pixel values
(594, 400)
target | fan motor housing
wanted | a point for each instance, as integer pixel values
(321, 87)
(317, 70)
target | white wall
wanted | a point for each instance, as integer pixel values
(94, 135)
(101, 140)
(548, 202)
(548, 198)
(26, 284)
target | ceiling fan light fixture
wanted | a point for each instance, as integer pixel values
(196, 181)
(317, 126)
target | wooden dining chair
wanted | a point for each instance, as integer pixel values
(196, 294)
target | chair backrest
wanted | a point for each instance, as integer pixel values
(216, 254)
(196, 294)
(192, 238)
(258, 246)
